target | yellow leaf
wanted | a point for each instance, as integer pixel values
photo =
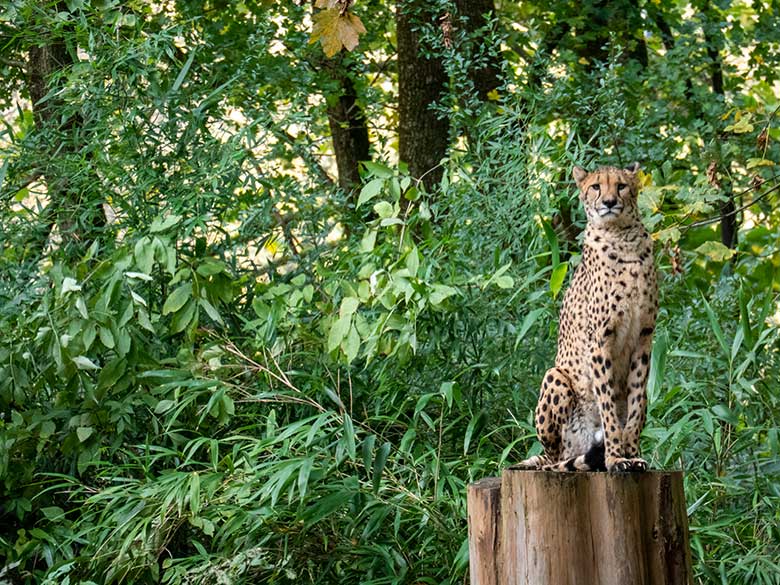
(493, 95)
(759, 162)
(335, 30)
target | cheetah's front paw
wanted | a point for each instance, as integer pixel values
(623, 464)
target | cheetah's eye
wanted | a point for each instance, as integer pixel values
(621, 186)
(596, 187)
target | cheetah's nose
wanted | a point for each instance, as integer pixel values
(610, 203)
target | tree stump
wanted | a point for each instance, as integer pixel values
(553, 528)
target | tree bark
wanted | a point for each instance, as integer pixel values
(581, 528)
(61, 138)
(714, 40)
(484, 504)
(423, 134)
(347, 127)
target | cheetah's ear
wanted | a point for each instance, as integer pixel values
(633, 168)
(579, 175)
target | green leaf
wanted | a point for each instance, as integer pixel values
(211, 311)
(349, 436)
(370, 190)
(440, 292)
(377, 169)
(326, 506)
(348, 306)
(384, 210)
(744, 318)
(368, 241)
(303, 476)
(552, 239)
(338, 331)
(144, 256)
(111, 373)
(177, 299)
(557, 278)
(106, 337)
(195, 493)
(84, 363)
(505, 281)
(164, 406)
(351, 344)
(47, 429)
(182, 319)
(3, 171)
(162, 224)
(528, 322)
(53, 513)
(716, 329)
(715, 251)
(69, 285)
(657, 367)
(84, 433)
(379, 465)
(81, 306)
(184, 70)
(469, 432)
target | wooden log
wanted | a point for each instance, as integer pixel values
(580, 528)
(484, 504)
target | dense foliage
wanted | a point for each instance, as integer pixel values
(243, 342)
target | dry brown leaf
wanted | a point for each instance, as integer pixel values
(712, 175)
(335, 30)
(349, 30)
(326, 3)
(762, 140)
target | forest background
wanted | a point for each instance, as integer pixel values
(279, 279)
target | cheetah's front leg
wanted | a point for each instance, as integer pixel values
(637, 396)
(606, 395)
(556, 402)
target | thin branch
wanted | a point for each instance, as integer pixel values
(13, 63)
(711, 220)
(307, 156)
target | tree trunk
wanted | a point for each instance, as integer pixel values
(728, 216)
(61, 138)
(582, 529)
(347, 127)
(484, 504)
(423, 134)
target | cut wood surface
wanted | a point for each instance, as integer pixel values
(552, 528)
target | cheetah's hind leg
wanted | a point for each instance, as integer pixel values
(556, 402)
(535, 462)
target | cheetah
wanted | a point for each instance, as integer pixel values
(592, 403)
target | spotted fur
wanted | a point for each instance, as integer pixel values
(592, 403)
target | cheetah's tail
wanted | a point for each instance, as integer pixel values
(593, 460)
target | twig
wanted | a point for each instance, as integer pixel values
(13, 63)
(734, 212)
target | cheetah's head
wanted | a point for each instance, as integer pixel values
(609, 194)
